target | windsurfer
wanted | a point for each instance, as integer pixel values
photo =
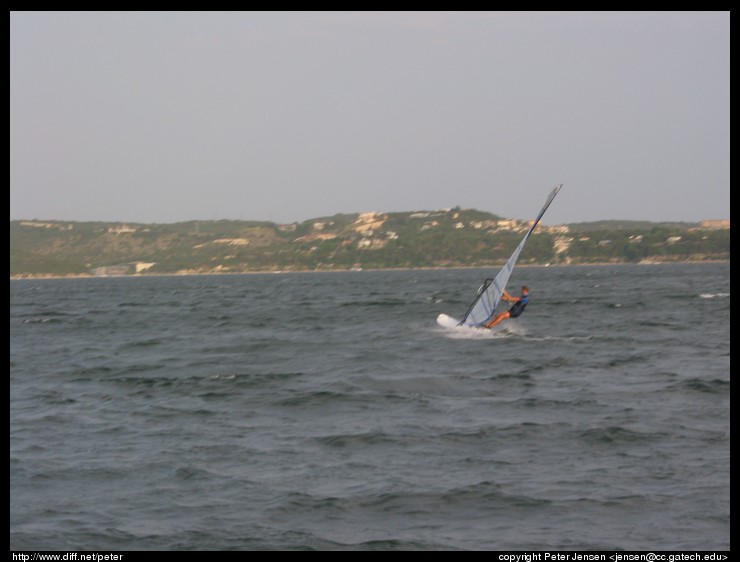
(517, 308)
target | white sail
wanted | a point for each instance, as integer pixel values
(489, 295)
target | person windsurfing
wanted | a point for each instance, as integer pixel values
(517, 308)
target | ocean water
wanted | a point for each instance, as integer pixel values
(329, 411)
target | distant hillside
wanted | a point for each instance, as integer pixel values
(442, 238)
(629, 225)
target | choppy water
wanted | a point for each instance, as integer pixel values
(329, 411)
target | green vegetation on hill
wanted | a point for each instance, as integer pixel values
(444, 238)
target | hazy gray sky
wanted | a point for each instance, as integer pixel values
(163, 117)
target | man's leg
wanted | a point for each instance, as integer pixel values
(500, 318)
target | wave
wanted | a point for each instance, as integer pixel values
(713, 386)
(248, 379)
(47, 316)
(562, 338)
(360, 439)
(466, 333)
(506, 332)
(42, 320)
(482, 496)
(149, 342)
(617, 434)
(313, 399)
(190, 473)
(384, 302)
(485, 435)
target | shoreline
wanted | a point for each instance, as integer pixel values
(21, 277)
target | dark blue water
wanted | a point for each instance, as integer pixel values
(329, 411)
